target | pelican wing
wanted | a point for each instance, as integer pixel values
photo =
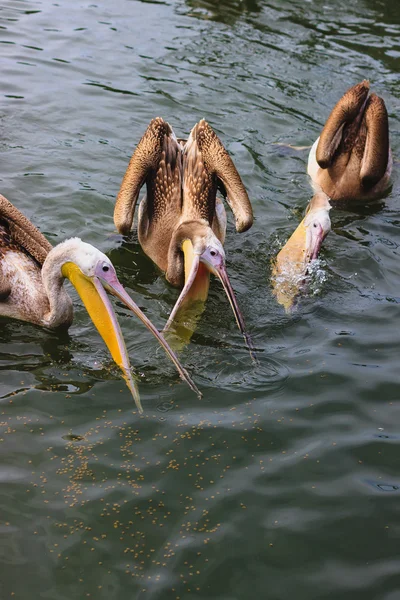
(153, 162)
(199, 182)
(376, 154)
(344, 112)
(219, 165)
(23, 233)
(164, 187)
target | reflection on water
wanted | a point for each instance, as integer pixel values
(184, 325)
(227, 11)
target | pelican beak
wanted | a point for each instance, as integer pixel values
(93, 295)
(291, 263)
(215, 262)
(197, 269)
(192, 267)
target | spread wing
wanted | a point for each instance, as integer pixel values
(343, 114)
(22, 233)
(157, 161)
(207, 165)
(376, 153)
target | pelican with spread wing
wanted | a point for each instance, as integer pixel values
(181, 222)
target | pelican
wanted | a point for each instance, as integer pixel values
(351, 160)
(32, 274)
(181, 222)
(291, 264)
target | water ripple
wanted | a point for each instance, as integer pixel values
(268, 482)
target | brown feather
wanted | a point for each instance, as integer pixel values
(143, 165)
(199, 181)
(376, 155)
(21, 233)
(164, 190)
(352, 158)
(218, 162)
(344, 113)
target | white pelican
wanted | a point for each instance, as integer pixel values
(32, 274)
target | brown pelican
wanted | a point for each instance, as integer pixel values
(181, 222)
(351, 160)
(32, 274)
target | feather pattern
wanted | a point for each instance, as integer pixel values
(351, 160)
(182, 179)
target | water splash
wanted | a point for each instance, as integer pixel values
(291, 283)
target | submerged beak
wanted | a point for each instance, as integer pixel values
(303, 246)
(294, 253)
(101, 312)
(221, 273)
(215, 264)
(290, 268)
(291, 263)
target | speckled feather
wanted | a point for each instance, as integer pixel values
(164, 190)
(218, 169)
(156, 162)
(199, 181)
(182, 181)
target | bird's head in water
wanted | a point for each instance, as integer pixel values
(303, 246)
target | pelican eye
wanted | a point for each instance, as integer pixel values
(315, 225)
(105, 268)
(213, 253)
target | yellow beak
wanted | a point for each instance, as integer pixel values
(197, 280)
(290, 267)
(199, 287)
(103, 317)
(191, 303)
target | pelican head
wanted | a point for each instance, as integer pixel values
(317, 225)
(203, 254)
(92, 274)
(302, 247)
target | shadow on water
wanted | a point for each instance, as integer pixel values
(227, 11)
(132, 264)
(389, 12)
(343, 216)
(184, 325)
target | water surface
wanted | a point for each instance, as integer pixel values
(283, 482)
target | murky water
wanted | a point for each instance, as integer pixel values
(284, 481)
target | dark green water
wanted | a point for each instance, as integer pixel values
(284, 481)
